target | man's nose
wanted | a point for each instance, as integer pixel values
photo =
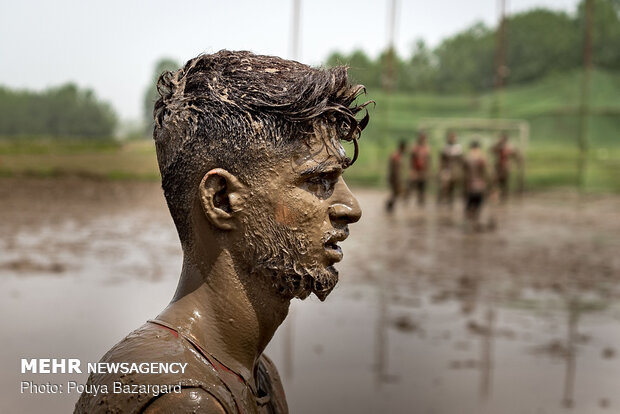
(344, 206)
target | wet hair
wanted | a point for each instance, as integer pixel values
(237, 111)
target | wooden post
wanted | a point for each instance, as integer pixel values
(295, 29)
(584, 106)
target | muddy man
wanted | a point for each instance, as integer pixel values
(251, 158)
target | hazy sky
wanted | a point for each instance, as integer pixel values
(111, 46)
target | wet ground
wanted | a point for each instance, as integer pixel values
(427, 318)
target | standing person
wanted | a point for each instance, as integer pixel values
(504, 153)
(251, 159)
(475, 182)
(420, 167)
(394, 175)
(450, 166)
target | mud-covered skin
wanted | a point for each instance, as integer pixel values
(204, 389)
(305, 209)
(229, 295)
(504, 154)
(450, 166)
(190, 400)
(227, 300)
(249, 149)
(475, 181)
(394, 178)
(419, 169)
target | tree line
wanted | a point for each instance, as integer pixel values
(538, 43)
(63, 111)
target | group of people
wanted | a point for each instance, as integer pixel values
(456, 168)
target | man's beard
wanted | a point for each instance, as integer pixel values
(281, 254)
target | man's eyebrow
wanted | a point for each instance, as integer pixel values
(323, 167)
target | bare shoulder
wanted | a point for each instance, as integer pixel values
(189, 400)
(151, 343)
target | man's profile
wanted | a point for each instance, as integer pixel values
(250, 154)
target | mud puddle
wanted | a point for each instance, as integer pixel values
(427, 317)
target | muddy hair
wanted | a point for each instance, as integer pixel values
(237, 111)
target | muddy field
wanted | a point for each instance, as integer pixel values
(427, 318)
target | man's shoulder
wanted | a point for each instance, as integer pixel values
(189, 400)
(159, 350)
(143, 342)
(149, 356)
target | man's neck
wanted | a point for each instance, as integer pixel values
(231, 314)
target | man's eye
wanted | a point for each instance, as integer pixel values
(322, 186)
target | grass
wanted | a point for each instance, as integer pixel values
(57, 157)
(53, 146)
(550, 107)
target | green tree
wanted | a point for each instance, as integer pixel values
(335, 59)
(605, 33)
(362, 69)
(465, 61)
(64, 111)
(541, 41)
(419, 73)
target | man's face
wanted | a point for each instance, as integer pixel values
(298, 213)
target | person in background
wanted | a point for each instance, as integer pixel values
(394, 175)
(420, 167)
(475, 184)
(450, 166)
(504, 153)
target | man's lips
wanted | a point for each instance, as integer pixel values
(334, 252)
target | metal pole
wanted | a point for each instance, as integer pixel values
(584, 107)
(390, 69)
(501, 70)
(295, 29)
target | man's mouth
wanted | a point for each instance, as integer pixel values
(334, 252)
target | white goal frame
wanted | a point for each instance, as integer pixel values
(484, 125)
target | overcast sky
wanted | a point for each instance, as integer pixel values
(111, 46)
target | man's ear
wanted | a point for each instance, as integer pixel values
(221, 196)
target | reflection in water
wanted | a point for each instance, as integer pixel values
(381, 336)
(383, 375)
(426, 318)
(508, 287)
(571, 360)
(486, 357)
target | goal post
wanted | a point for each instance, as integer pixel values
(487, 129)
